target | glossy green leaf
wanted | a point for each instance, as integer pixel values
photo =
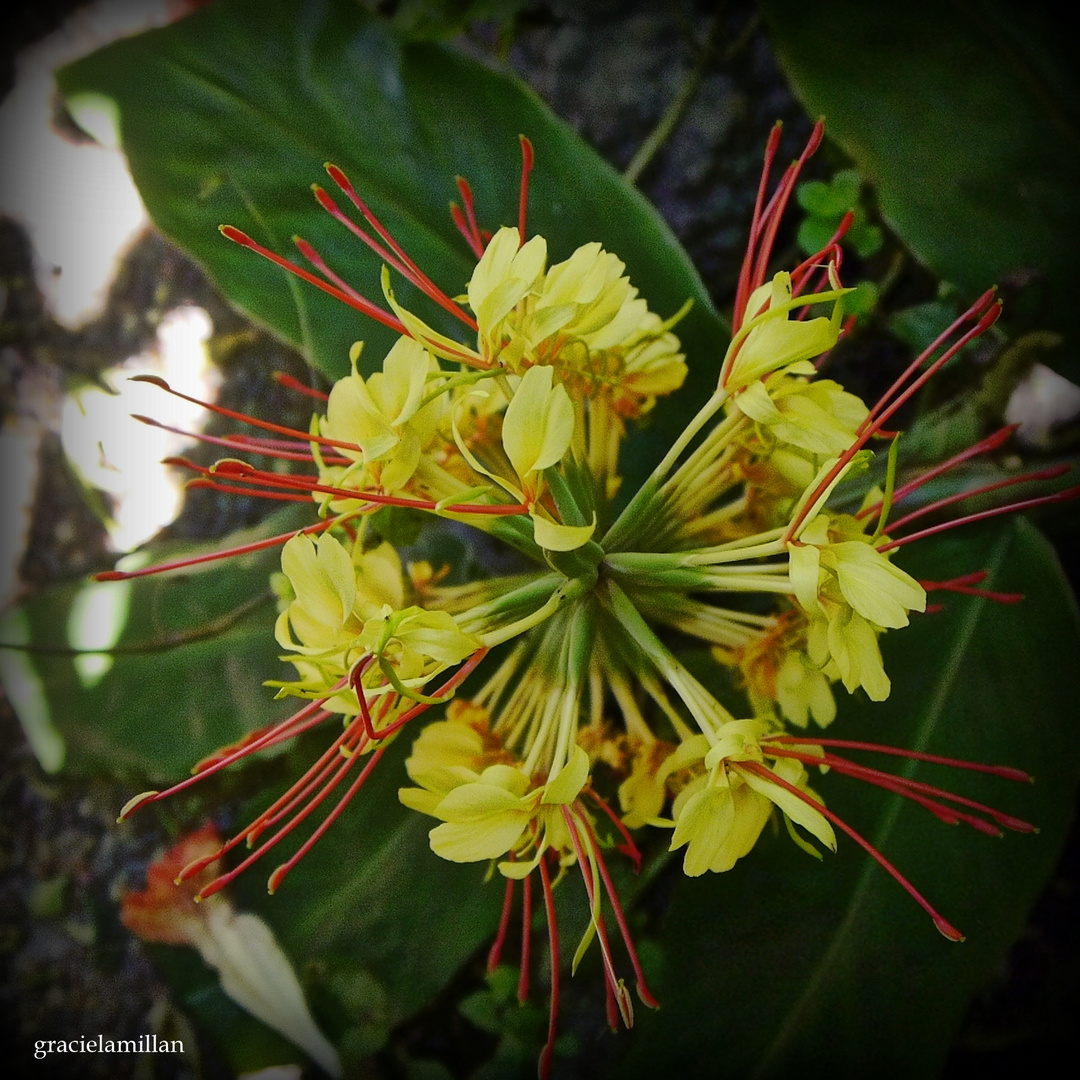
(966, 120)
(229, 115)
(185, 657)
(787, 966)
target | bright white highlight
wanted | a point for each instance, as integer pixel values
(121, 456)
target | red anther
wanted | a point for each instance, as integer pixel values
(473, 235)
(527, 158)
(197, 866)
(282, 378)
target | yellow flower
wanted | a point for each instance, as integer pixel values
(719, 817)
(384, 414)
(851, 591)
(819, 416)
(769, 339)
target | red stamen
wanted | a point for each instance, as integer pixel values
(966, 585)
(627, 847)
(1006, 772)
(242, 470)
(362, 305)
(356, 682)
(233, 443)
(544, 1065)
(1010, 508)
(290, 383)
(943, 925)
(402, 263)
(585, 866)
(232, 489)
(303, 786)
(644, 992)
(471, 230)
(232, 414)
(527, 158)
(971, 493)
(745, 288)
(526, 939)
(320, 264)
(992, 442)
(778, 204)
(278, 876)
(878, 416)
(504, 922)
(243, 549)
(984, 307)
(908, 787)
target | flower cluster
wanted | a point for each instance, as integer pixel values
(515, 429)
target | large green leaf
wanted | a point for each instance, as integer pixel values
(786, 966)
(966, 119)
(228, 116)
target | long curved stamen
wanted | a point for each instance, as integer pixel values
(343, 769)
(987, 311)
(232, 414)
(495, 952)
(526, 939)
(402, 263)
(553, 948)
(643, 990)
(586, 863)
(778, 204)
(278, 876)
(362, 305)
(320, 264)
(241, 470)
(991, 442)
(961, 496)
(966, 584)
(879, 415)
(195, 560)
(943, 925)
(527, 158)
(242, 444)
(745, 287)
(910, 788)
(997, 511)
(1006, 772)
